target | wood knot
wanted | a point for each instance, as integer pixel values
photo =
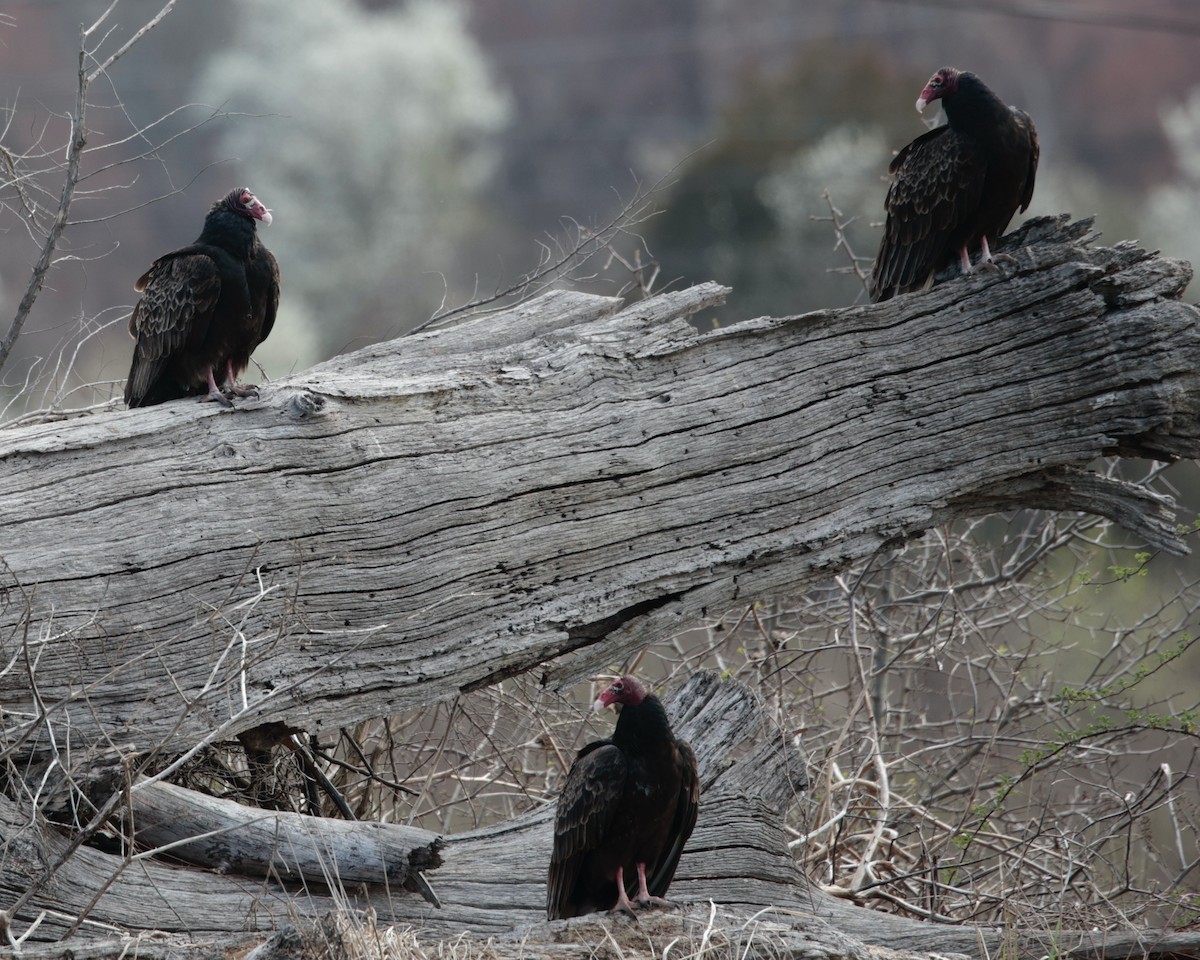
(304, 405)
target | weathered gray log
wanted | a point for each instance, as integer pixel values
(232, 838)
(432, 514)
(429, 515)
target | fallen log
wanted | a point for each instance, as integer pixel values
(567, 481)
(231, 838)
(549, 488)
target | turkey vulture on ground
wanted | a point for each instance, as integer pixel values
(626, 810)
(204, 309)
(956, 186)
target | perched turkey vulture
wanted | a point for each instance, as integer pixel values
(955, 186)
(204, 308)
(627, 808)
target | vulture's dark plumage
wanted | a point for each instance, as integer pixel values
(627, 808)
(955, 188)
(204, 308)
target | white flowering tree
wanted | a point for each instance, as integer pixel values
(1173, 209)
(839, 177)
(372, 138)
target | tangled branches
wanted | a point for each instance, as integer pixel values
(997, 716)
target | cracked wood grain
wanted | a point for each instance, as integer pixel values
(556, 486)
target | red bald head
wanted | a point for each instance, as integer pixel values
(241, 201)
(625, 690)
(941, 84)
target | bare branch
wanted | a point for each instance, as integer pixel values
(551, 268)
(71, 177)
(128, 45)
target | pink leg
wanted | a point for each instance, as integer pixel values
(985, 257)
(214, 392)
(231, 385)
(623, 902)
(964, 261)
(992, 259)
(986, 260)
(643, 898)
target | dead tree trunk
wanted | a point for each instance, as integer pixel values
(431, 514)
(551, 487)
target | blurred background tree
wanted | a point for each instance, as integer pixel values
(373, 134)
(1173, 208)
(742, 207)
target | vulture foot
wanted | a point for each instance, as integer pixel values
(240, 390)
(644, 897)
(645, 903)
(214, 393)
(216, 396)
(624, 904)
(989, 260)
(232, 388)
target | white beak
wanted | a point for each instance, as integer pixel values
(921, 103)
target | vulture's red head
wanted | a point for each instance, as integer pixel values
(625, 690)
(941, 84)
(241, 201)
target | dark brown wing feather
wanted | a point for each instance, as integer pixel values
(590, 798)
(1025, 123)
(937, 183)
(663, 872)
(262, 275)
(179, 292)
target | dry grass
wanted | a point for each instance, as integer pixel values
(657, 935)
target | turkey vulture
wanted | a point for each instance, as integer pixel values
(204, 308)
(627, 808)
(955, 186)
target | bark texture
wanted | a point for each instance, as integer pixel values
(434, 513)
(231, 838)
(551, 487)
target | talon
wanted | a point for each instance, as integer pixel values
(990, 261)
(231, 386)
(214, 394)
(217, 397)
(623, 904)
(240, 390)
(647, 902)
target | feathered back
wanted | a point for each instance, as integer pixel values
(631, 798)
